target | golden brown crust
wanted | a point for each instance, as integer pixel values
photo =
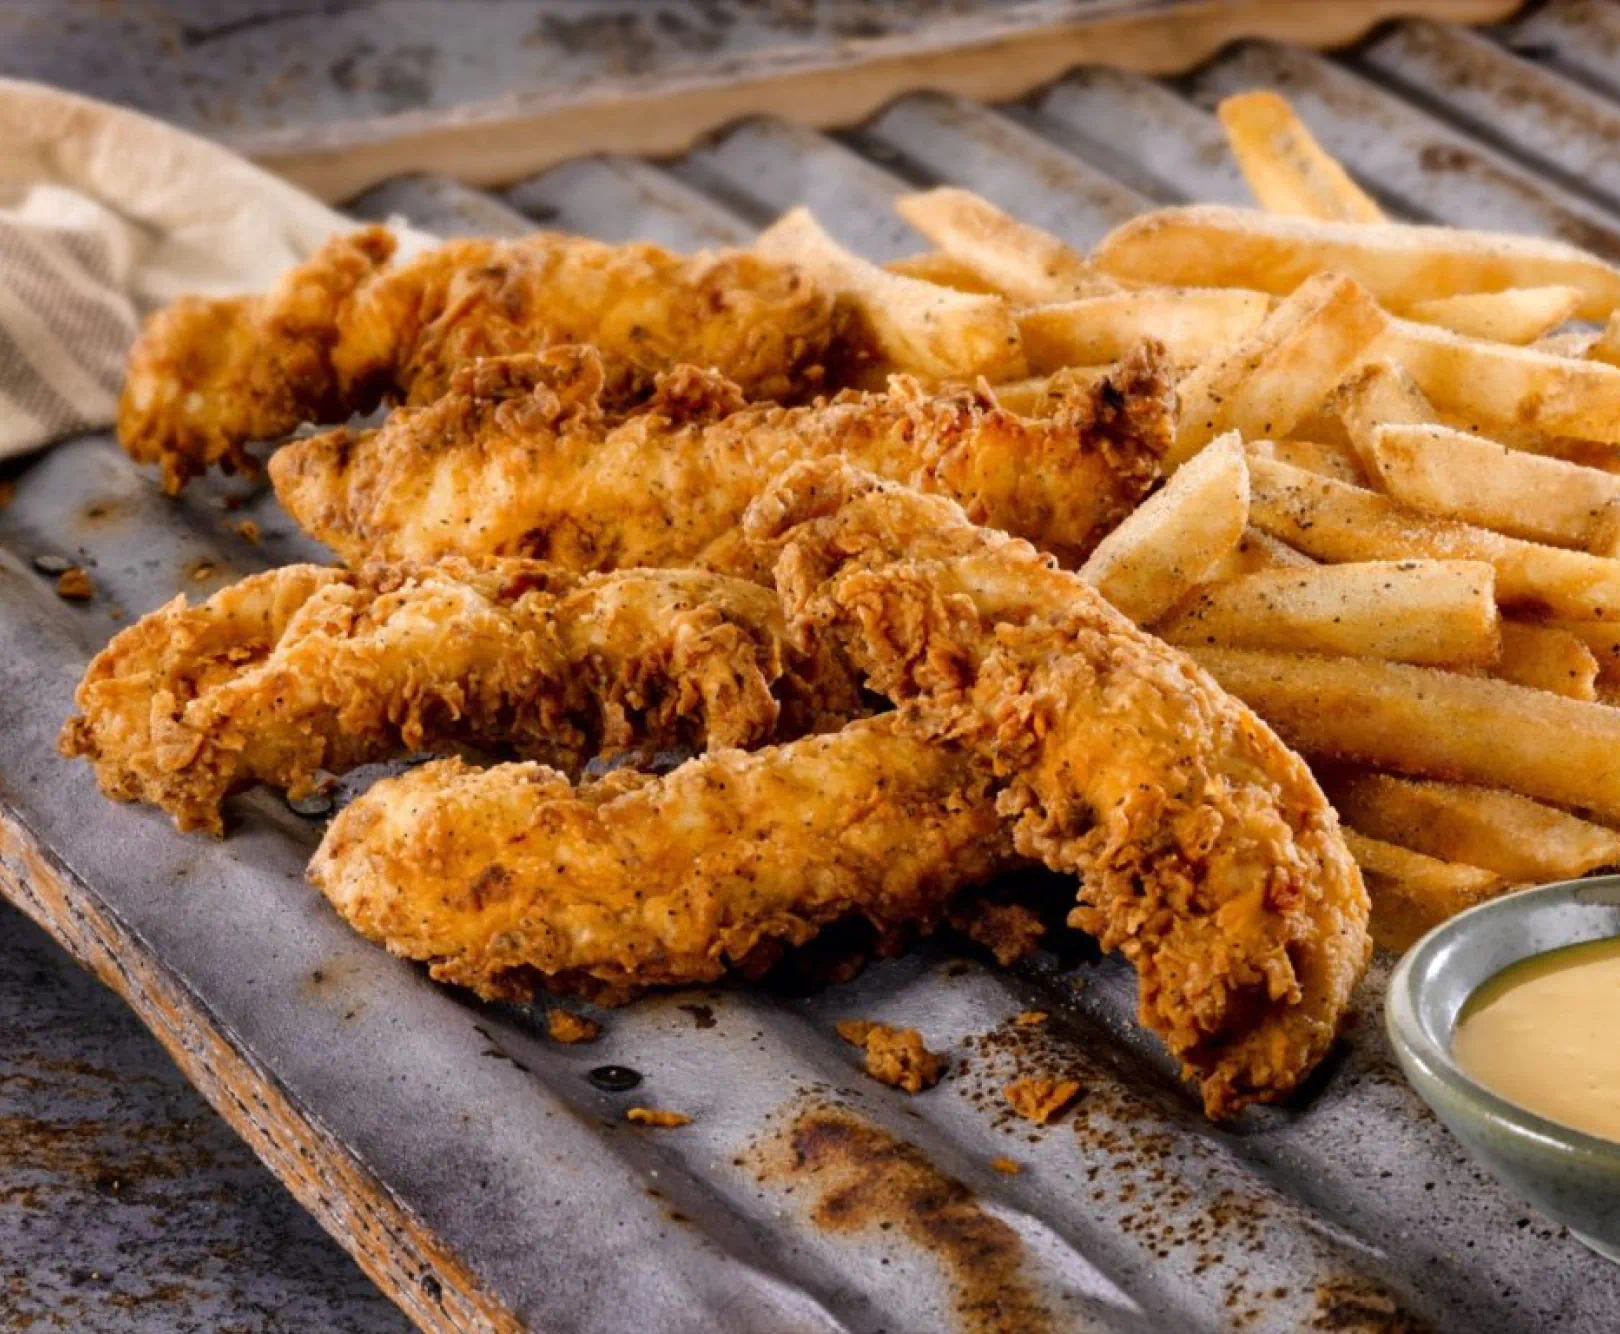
(303, 669)
(895, 1056)
(1207, 853)
(507, 878)
(522, 457)
(343, 330)
(1039, 1098)
(567, 1027)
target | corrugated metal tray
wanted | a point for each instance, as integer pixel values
(473, 1167)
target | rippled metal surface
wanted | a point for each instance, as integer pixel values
(1348, 1210)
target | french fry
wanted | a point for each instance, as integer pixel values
(1287, 170)
(1493, 384)
(1030, 266)
(1547, 658)
(935, 266)
(1430, 723)
(1319, 456)
(1215, 245)
(922, 328)
(1376, 394)
(1038, 395)
(1439, 612)
(1461, 476)
(1411, 893)
(1602, 641)
(1525, 842)
(1605, 347)
(1287, 367)
(1255, 551)
(1192, 323)
(1518, 315)
(1156, 556)
(1336, 522)
(1569, 343)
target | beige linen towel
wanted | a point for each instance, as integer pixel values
(105, 214)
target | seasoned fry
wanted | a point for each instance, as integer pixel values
(1605, 347)
(1336, 522)
(1461, 476)
(1287, 170)
(919, 327)
(1570, 343)
(1493, 384)
(1215, 245)
(1547, 658)
(1518, 315)
(1601, 639)
(1266, 383)
(1319, 456)
(1379, 393)
(1523, 841)
(1412, 893)
(1193, 323)
(935, 266)
(1156, 556)
(1028, 265)
(1432, 724)
(1256, 551)
(1438, 612)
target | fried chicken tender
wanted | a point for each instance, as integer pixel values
(507, 878)
(344, 330)
(1207, 853)
(304, 669)
(522, 458)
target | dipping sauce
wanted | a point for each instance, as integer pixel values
(1543, 1034)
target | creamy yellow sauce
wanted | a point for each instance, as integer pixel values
(1545, 1034)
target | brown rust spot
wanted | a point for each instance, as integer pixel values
(1353, 1306)
(866, 1179)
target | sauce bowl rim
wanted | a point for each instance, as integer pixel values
(1412, 1039)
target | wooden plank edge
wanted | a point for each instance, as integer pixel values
(499, 142)
(394, 1248)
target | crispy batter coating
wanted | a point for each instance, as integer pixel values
(567, 1027)
(1039, 1098)
(654, 1116)
(344, 330)
(1208, 854)
(507, 878)
(521, 457)
(895, 1056)
(304, 669)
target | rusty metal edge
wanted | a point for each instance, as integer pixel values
(498, 142)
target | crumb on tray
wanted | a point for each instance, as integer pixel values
(566, 1026)
(1010, 931)
(1030, 1018)
(1006, 1166)
(74, 584)
(1040, 1097)
(896, 1056)
(652, 1116)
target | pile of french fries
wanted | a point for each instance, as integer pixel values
(1392, 515)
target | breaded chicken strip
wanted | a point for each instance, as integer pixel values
(506, 878)
(344, 329)
(520, 458)
(1207, 853)
(303, 669)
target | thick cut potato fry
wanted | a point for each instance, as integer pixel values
(1336, 522)
(1525, 842)
(1430, 723)
(1461, 476)
(927, 330)
(1255, 551)
(1287, 170)
(1602, 640)
(935, 266)
(1411, 893)
(1029, 265)
(1547, 658)
(1192, 323)
(1039, 395)
(1439, 612)
(1518, 315)
(1568, 343)
(1153, 559)
(1262, 386)
(1493, 384)
(1318, 456)
(1215, 245)
(1378, 393)
(1605, 347)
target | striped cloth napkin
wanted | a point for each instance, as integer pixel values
(105, 214)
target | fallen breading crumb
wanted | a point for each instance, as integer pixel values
(1030, 1018)
(566, 1026)
(894, 1056)
(74, 585)
(202, 571)
(1040, 1097)
(1009, 931)
(651, 1116)
(1006, 1166)
(249, 531)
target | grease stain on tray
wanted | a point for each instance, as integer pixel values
(863, 1179)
